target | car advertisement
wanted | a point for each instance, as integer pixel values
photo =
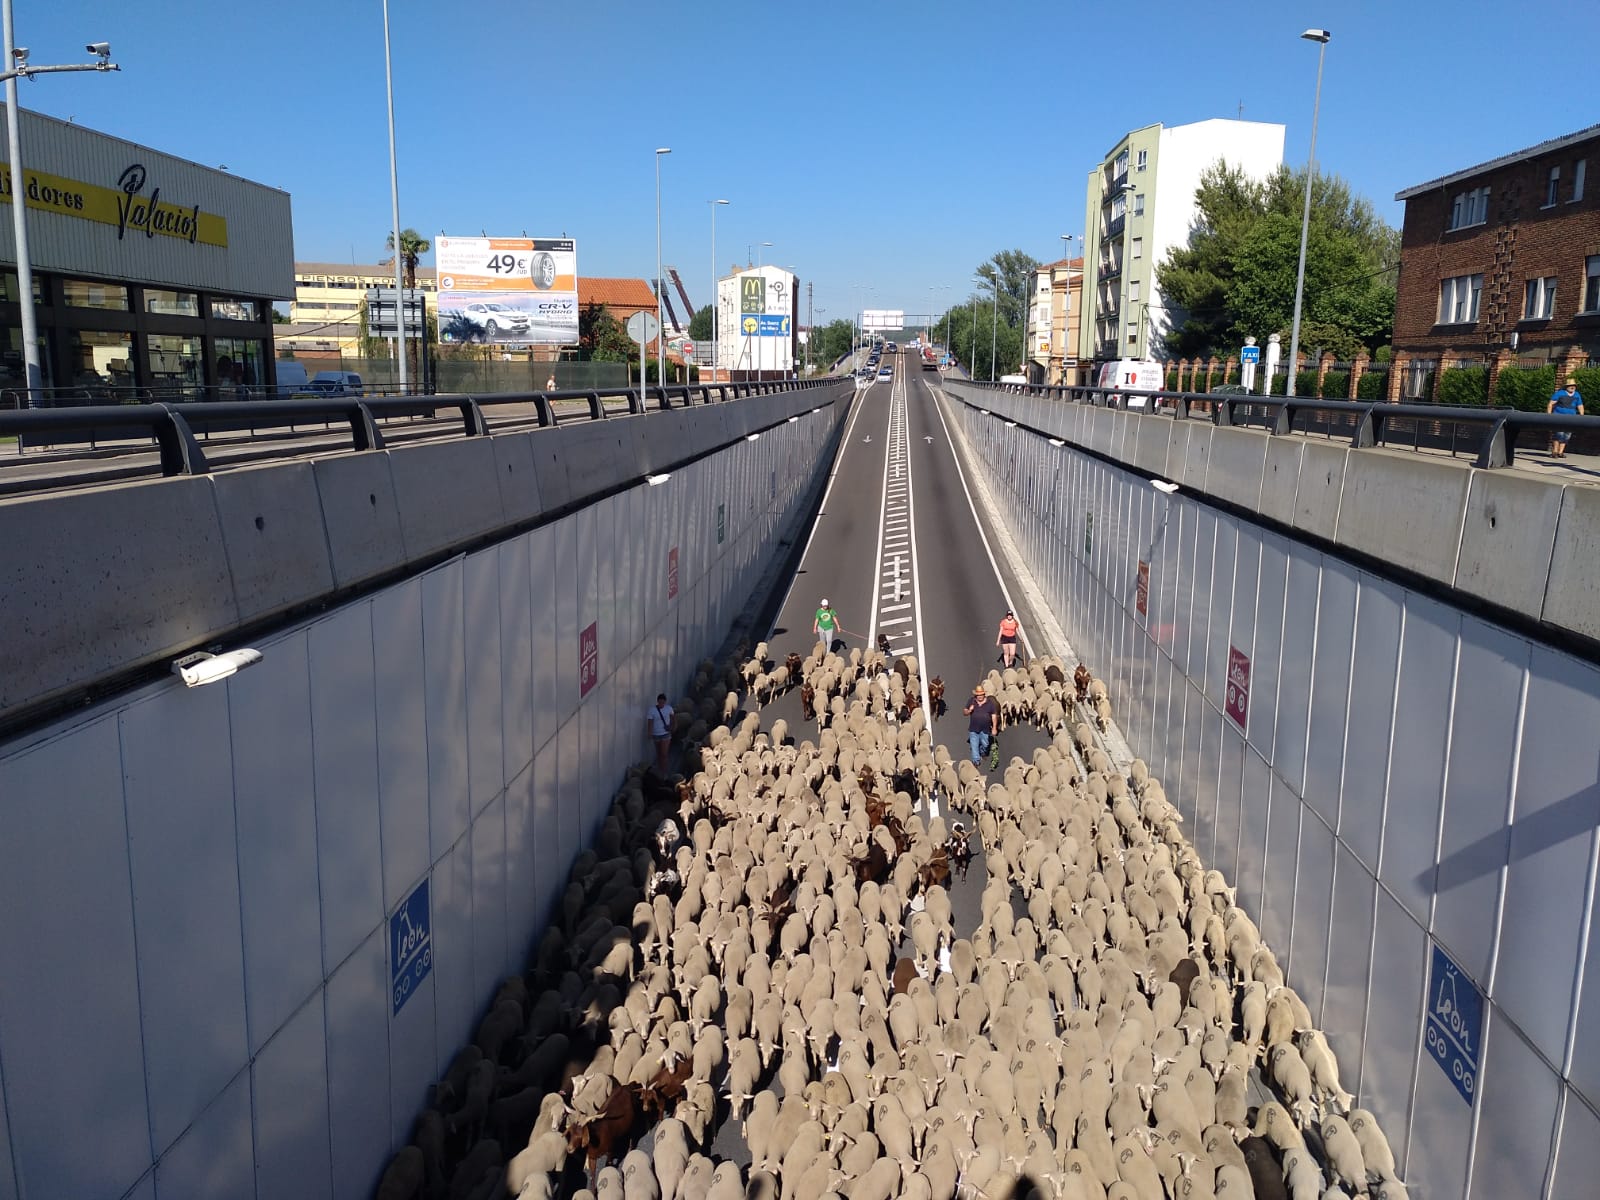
(521, 291)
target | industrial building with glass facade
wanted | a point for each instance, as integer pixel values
(153, 277)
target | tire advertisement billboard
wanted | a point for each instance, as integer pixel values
(507, 291)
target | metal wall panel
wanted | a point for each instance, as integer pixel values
(257, 261)
(489, 958)
(269, 709)
(480, 600)
(357, 999)
(1516, 1131)
(289, 1090)
(1344, 1000)
(1330, 689)
(1313, 898)
(187, 921)
(445, 683)
(402, 725)
(1394, 1022)
(1578, 1158)
(1295, 664)
(456, 1000)
(1370, 719)
(215, 1158)
(1265, 660)
(516, 656)
(545, 607)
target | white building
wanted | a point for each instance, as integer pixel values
(757, 323)
(1141, 203)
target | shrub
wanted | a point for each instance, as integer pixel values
(1372, 386)
(1525, 388)
(1589, 387)
(1171, 383)
(1336, 385)
(1464, 385)
(1232, 375)
(1305, 382)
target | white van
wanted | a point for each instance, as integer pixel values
(1023, 379)
(1136, 375)
(291, 377)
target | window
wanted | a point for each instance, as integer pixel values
(229, 309)
(1458, 299)
(1552, 185)
(1144, 159)
(1133, 335)
(1137, 250)
(1591, 284)
(86, 293)
(1138, 205)
(1133, 291)
(1539, 299)
(1469, 208)
(1577, 179)
(171, 304)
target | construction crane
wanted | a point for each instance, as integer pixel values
(683, 294)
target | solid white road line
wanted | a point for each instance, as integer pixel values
(916, 595)
(883, 515)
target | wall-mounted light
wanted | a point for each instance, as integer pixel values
(658, 480)
(1011, 424)
(1057, 443)
(985, 412)
(750, 437)
(1161, 485)
(200, 668)
(792, 420)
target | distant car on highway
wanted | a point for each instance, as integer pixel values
(336, 383)
(885, 374)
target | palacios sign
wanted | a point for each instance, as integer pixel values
(134, 207)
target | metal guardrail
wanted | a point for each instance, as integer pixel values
(1367, 424)
(173, 426)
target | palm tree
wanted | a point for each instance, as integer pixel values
(412, 247)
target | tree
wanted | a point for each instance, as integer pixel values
(1236, 277)
(831, 342)
(602, 338)
(412, 247)
(1014, 269)
(700, 325)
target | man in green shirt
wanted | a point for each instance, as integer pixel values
(826, 625)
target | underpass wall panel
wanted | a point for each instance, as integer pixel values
(1409, 779)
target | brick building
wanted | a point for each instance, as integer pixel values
(1501, 263)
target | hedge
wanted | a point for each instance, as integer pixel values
(1336, 385)
(1372, 386)
(1525, 388)
(1464, 385)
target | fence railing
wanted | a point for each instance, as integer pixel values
(1490, 435)
(173, 426)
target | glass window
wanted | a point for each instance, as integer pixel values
(171, 304)
(101, 361)
(1469, 208)
(1551, 186)
(1591, 284)
(1133, 291)
(86, 293)
(239, 364)
(1137, 249)
(1539, 299)
(1458, 299)
(10, 292)
(1138, 205)
(226, 308)
(175, 364)
(1144, 158)
(1577, 179)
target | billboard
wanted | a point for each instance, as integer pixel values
(883, 319)
(508, 290)
(766, 325)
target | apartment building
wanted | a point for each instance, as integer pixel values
(1140, 204)
(1052, 333)
(1504, 256)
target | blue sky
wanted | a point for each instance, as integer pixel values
(896, 145)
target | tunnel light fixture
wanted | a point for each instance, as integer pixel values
(986, 412)
(814, 411)
(1011, 424)
(1057, 443)
(658, 480)
(1161, 485)
(792, 420)
(201, 668)
(750, 437)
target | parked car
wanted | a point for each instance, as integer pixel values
(292, 379)
(1138, 376)
(336, 383)
(1231, 389)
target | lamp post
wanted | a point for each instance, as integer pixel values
(973, 365)
(994, 323)
(1066, 305)
(394, 200)
(661, 351)
(716, 293)
(1320, 36)
(17, 58)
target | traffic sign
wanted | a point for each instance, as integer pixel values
(1455, 1023)
(687, 348)
(1250, 354)
(410, 946)
(643, 326)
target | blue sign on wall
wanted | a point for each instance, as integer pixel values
(410, 945)
(1250, 354)
(772, 325)
(1455, 1023)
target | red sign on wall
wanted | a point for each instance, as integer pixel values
(672, 573)
(1141, 594)
(1237, 702)
(588, 659)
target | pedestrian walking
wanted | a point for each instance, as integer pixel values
(1567, 401)
(550, 383)
(826, 625)
(1006, 639)
(983, 723)
(658, 728)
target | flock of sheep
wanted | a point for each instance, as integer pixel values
(770, 940)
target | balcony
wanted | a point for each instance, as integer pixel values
(1114, 227)
(1108, 270)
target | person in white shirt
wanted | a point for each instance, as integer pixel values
(658, 728)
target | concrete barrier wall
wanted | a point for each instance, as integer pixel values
(200, 885)
(100, 581)
(1407, 781)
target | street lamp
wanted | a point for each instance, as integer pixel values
(716, 295)
(394, 200)
(973, 365)
(994, 322)
(33, 371)
(1320, 36)
(661, 354)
